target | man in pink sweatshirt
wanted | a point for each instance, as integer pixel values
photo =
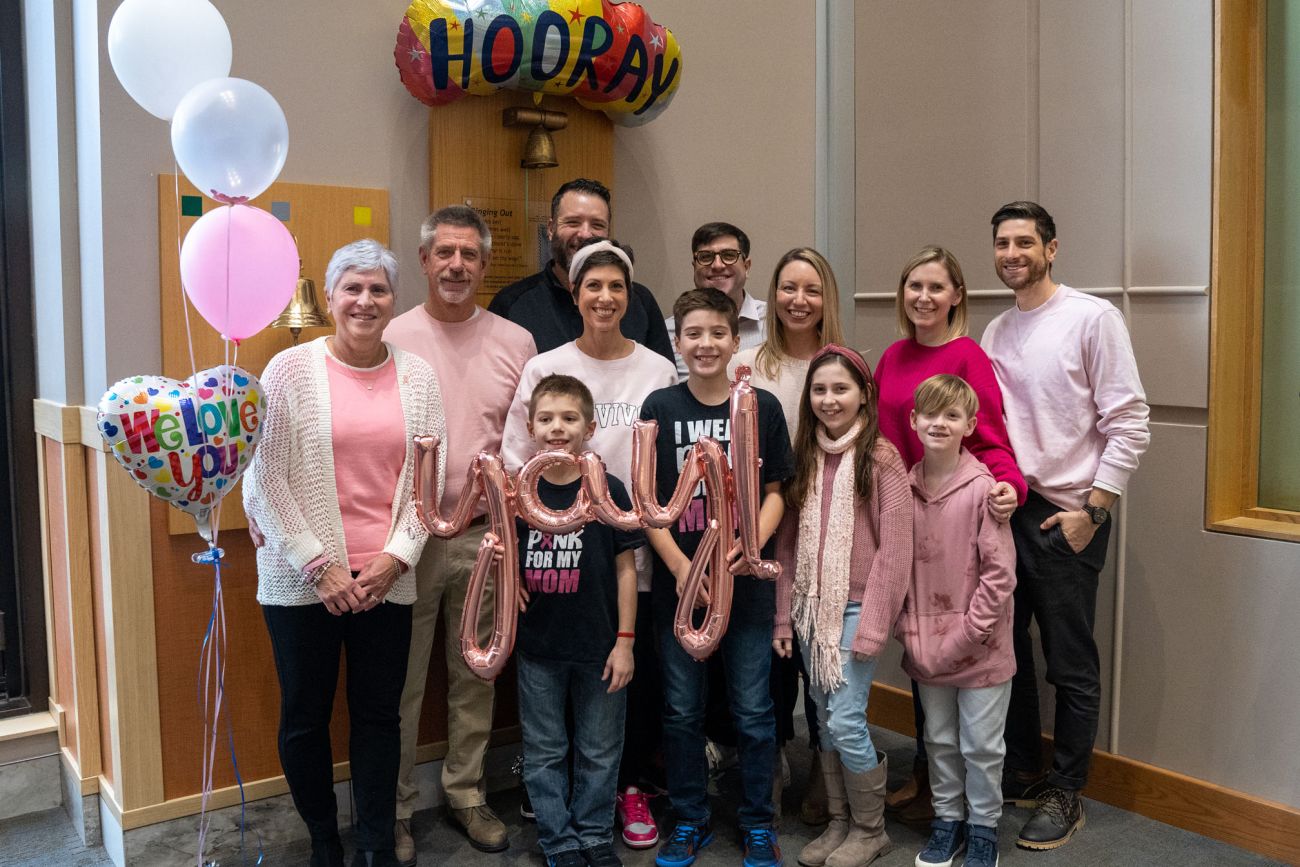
(1077, 418)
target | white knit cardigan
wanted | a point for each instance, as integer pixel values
(290, 489)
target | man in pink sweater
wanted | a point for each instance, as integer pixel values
(1077, 417)
(478, 357)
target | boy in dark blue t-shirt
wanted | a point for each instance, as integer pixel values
(706, 323)
(578, 597)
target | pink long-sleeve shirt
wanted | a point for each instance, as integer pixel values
(881, 563)
(956, 622)
(1074, 404)
(906, 364)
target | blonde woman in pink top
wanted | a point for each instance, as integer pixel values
(845, 569)
(329, 493)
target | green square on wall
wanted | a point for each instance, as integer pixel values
(191, 206)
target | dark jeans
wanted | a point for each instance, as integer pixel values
(1057, 588)
(643, 731)
(575, 812)
(786, 676)
(746, 652)
(306, 641)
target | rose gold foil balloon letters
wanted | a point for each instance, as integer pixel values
(732, 494)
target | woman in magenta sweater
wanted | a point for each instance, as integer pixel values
(931, 308)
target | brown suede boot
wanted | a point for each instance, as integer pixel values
(866, 840)
(920, 812)
(813, 807)
(837, 808)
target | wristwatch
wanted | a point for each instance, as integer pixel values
(1098, 514)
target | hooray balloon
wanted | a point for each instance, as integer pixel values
(745, 472)
(230, 138)
(239, 265)
(187, 443)
(608, 55)
(160, 49)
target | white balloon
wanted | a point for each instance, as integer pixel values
(230, 138)
(162, 48)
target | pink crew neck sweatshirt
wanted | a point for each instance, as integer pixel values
(906, 364)
(1074, 404)
(369, 433)
(478, 363)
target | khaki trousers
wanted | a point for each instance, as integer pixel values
(441, 578)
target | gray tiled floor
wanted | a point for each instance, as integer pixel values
(1112, 836)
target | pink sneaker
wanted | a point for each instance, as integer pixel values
(639, 829)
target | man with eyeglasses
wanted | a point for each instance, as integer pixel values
(720, 256)
(543, 303)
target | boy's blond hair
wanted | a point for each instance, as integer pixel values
(565, 386)
(942, 391)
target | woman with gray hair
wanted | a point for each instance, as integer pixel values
(330, 490)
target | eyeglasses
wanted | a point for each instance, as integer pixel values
(704, 258)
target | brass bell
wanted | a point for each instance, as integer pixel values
(304, 311)
(539, 150)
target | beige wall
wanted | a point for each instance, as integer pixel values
(1103, 113)
(736, 144)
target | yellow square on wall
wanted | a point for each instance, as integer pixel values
(361, 216)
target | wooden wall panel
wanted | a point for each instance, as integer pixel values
(321, 217)
(472, 156)
(61, 616)
(96, 522)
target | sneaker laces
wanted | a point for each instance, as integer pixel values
(940, 837)
(762, 840)
(683, 834)
(981, 849)
(636, 807)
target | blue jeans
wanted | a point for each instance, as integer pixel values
(843, 713)
(579, 813)
(746, 651)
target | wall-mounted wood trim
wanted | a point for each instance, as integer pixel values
(56, 421)
(1237, 279)
(1266, 827)
(129, 638)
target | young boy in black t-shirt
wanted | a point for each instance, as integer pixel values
(578, 597)
(706, 322)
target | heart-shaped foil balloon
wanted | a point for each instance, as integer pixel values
(185, 442)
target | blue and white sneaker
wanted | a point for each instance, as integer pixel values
(684, 844)
(761, 849)
(947, 841)
(981, 846)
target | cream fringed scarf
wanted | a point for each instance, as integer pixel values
(819, 600)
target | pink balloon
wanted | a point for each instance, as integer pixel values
(239, 266)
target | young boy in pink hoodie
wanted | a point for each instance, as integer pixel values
(956, 626)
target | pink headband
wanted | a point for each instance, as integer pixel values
(850, 355)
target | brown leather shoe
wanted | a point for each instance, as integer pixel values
(485, 831)
(908, 792)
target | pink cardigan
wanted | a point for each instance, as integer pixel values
(882, 550)
(906, 364)
(956, 622)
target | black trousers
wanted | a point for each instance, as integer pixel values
(643, 733)
(306, 641)
(1057, 588)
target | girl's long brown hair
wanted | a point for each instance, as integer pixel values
(805, 443)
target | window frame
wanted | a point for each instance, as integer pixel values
(1237, 279)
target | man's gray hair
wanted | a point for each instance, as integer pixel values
(364, 255)
(456, 215)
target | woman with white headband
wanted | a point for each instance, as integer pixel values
(620, 374)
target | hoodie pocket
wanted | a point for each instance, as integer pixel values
(940, 647)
